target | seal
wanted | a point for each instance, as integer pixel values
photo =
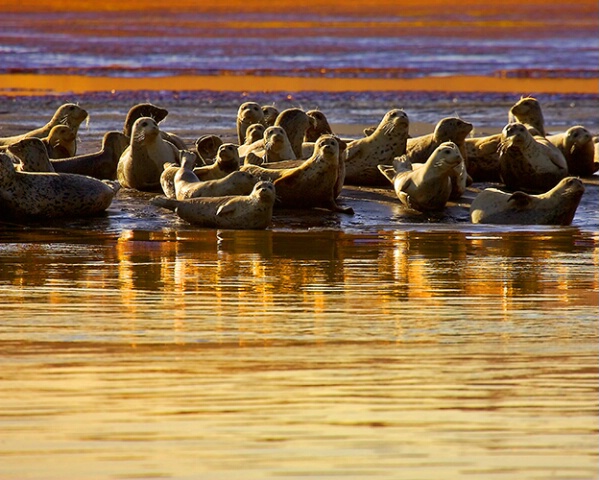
(236, 183)
(101, 164)
(143, 161)
(295, 122)
(274, 147)
(448, 129)
(207, 148)
(171, 170)
(32, 155)
(429, 187)
(312, 184)
(227, 161)
(529, 163)
(254, 133)
(364, 155)
(61, 142)
(242, 212)
(555, 207)
(158, 114)
(528, 111)
(248, 113)
(51, 195)
(482, 157)
(67, 114)
(576, 144)
(270, 115)
(320, 126)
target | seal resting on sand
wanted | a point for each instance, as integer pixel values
(32, 155)
(61, 142)
(429, 187)
(227, 161)
(576, 144)
(270, 115)
(243, 212)
(482, 157)
(527, 162)
(51, 195)
(158, 114)
(528, 111)
(555, 207)
(143, 161)
(448, 129)
(364, 155)
(67, 114)
(102, 164)
(248, 113)
(274, 147)
(320, 126)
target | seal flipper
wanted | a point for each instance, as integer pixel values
(225, 209)
(520, 200)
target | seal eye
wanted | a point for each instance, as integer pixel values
(144, 124)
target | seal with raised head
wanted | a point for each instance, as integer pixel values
(32, 155)
(248, 113)
(171, 170)
(554, 207)
(320, 126)
(243, 212)
(527, 162)
(295, 122)
(158, 114)
(270, 115)
(274, 147)
(227, 161)
(578, 148)
(528, 111)
(448, 129)
(61, 142)
(101, 164)
(68, 114)
(51, 195)
(429, 187)
(143, 161)
(364, 155)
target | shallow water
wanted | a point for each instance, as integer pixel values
(419, 353)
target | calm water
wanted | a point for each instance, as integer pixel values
(419, 353)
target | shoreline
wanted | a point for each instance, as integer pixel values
(50, 84)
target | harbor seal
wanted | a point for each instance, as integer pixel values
(236, 183)
(61, 142)
(32, 155)
(274, 147)
(270, 115)
(429, 187)
(529, 163)
(51, 195)
(555, 207)
(448, 129)
(248, 113)
(243, 212)
(295, 122)
(143, 161)
(528, 111)
(158, 114)
(227, 161)
(101, 164)
(576, 144)
(68, 114)
(364, 155)
(171, 170)
(320, 126)
(482, 157)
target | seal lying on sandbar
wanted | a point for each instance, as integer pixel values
(448, 129)
(243, 212)
(158, 114)
(578, 148)
(61, 142)
(32, 155)
(555, 207)
(51, 195)
(274, 147)
(429, 187)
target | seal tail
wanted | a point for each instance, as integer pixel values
(164, 202)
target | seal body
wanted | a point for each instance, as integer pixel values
(242, 212)
(295, 122)
(555, 207)
(364, 155)
(576, 144)
(248, 113)
(482, 157)
(429, 187)
(528, 111)
(527, 162)
(235, 183)
(51, 195)
(143, 161)
(101, 164)
(32, 155)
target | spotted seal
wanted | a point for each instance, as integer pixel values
(143, 161)
(270, 115)
(248, 113)
(274, 147)
(364, 155)
(32, 155)
(448, 129)
(227, 161)
(320, 126)
(61, 142)
(51, 195)
(243, 212)
(155, 112)
(429, 187)
(528, 162)
(528, 111)
(576, 144)
(554, 207)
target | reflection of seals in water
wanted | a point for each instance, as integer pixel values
(50, 195)
(578, 148)
(429, 187)
(320, 126)
(207, 147)
(32, 155)
(555, 207)
(244, 212)
(68, 114)
(102, 164)
(61, 142)
(311, 184)
(449, 129)
(227, 161)
(482, 157)
(247, 114)
(527, 162)
(274, 147)
(528, 111)
(143, 161)
(364, 155)
(270, 115)
(295, 122)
